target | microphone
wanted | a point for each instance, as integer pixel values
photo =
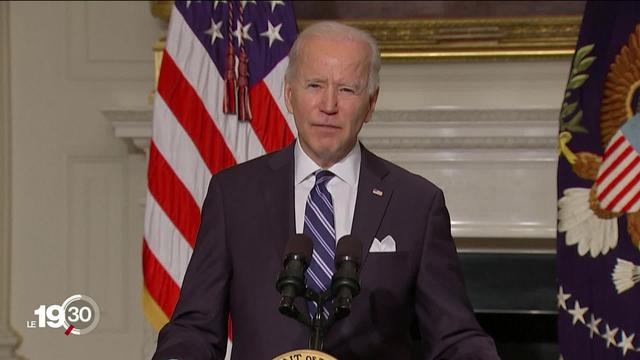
(345, 283)
(291, 281)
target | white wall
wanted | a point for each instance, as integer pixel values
(8, 339)
(76, 219)
(486, 133)
(482, 85)
(76, 214)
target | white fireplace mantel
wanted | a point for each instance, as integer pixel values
(132, 125)
(430, 129)
(497, 167)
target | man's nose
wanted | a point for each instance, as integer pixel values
(329, 103)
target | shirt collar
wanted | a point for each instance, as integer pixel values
(347, 169)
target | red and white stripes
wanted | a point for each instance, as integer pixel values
(192, 140)
(618, 182)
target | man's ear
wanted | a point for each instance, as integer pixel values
(373, 99)
(287, 95)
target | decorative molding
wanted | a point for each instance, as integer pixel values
(502, 230)
(463, 156)
(462, 129)
(134, 119)
(83, 65)
(9, 340)
(456, 115)
(515, 245)
(376, 143)
(97, 193)
(410, 130)
(132, 125)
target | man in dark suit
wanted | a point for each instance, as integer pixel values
(410, 277)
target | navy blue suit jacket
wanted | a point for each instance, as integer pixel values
(247, 219)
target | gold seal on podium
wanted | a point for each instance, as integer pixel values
(305, 354)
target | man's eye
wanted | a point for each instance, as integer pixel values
(313, 86)
(348, 90)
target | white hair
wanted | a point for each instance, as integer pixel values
(337, 31)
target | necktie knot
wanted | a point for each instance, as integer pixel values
(323, 176)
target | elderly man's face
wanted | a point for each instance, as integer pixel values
(328, 97)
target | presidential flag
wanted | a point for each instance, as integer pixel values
(598, 253)
(219, 102)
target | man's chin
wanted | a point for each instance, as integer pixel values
(335, 156)
(326, 154)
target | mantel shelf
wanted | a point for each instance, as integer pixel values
(409, 130)
(503, 159)
(133, 125)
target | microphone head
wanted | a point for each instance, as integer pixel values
(349, 246)
(299, 244)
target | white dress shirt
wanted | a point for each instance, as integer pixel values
(343, 187)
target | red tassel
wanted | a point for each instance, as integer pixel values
(229, 100)
(244, 110)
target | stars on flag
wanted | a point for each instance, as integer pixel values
(214, 31)
(626, 343)
(578, 313)
(610, 336)
(273, 33)
(244, 3)
(242, 33)
(625, 340)
(562, 298)
(276, 3)
(593, 326)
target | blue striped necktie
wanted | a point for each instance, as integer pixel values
(319, 226)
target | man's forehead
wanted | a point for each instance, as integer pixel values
(333, 54)
(315, 42)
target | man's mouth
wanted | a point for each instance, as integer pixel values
(326, 126)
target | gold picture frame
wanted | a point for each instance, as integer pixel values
(489, 38)
(471, 38)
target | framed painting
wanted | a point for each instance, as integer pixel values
(463, 30)
(449, 30)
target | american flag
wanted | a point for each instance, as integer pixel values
(196, 131)
(618, 183)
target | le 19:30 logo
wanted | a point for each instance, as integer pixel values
(77, 315)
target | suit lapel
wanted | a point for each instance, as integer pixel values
(279, 199)
(371, 201)
(280, 212)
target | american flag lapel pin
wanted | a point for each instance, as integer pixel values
(377, 192)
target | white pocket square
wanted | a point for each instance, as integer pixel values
(386, 245)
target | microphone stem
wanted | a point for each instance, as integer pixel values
(319, 325)
(316, 340)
